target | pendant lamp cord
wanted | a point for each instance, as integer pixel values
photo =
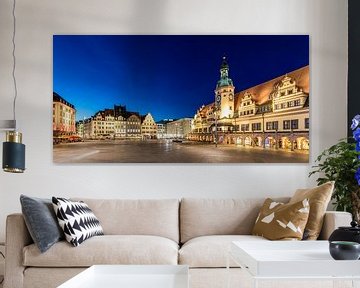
(14, 61)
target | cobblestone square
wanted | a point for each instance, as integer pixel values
(167, 151)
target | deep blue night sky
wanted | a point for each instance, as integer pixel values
(168, 76)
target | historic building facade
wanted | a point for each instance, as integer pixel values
(274, 114)
(119, 123)
(148, 127)
(133, 126)
(63, 117)
(80, 128)
(161, 129)
(179, 128)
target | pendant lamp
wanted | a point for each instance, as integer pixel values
(13, 158)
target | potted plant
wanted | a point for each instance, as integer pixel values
(341, 163)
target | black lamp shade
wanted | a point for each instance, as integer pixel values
(13, 157)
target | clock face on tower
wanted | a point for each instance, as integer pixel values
(218, 98)
(231, 96)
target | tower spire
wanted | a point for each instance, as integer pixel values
(224, 74)
(224, 92)
(224, 63)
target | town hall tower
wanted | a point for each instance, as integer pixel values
(224, 93)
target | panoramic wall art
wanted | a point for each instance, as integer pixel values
(181, 99)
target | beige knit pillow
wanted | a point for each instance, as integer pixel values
(319, 198)
(279, 221)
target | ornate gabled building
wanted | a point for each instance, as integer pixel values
(133, 126)
(274, 114)
(148, 127)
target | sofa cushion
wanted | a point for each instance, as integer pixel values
(200, 217)
(107, 249)
(279, 221)
(158, 217)
(319, 198)
(211, 251)
(77, 220)
(41, 221)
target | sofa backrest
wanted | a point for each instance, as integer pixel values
(200, 217)
(159, 217)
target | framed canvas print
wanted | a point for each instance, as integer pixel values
(181, 99)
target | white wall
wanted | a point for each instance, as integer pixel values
(38, 20)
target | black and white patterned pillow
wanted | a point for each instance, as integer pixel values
(77, 220)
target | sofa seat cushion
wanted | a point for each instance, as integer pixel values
(107, 249)
(206, 217)
(211, 251)
(159, 217)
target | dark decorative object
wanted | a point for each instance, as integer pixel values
(344, 233)
(343, 250)
(13, 153)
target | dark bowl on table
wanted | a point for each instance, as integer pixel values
(344, 250)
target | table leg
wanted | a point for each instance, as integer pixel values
(228, 269)
(255, 283)
(355, 283)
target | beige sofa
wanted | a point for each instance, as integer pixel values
(194, 232)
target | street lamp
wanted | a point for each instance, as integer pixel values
(276, 137)
(216, 132)
(235, 123)
(263, 129)
(235, 128)
(243, 134)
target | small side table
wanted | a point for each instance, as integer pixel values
(289, 261)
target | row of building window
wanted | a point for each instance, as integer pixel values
(265, 108)
(274, 125)
(64, 114)
(294, 103)
(117, 131)
(248, 112)
(290, 91)
(256, 126)
(64, 121)
(247, 103)
(271, 125)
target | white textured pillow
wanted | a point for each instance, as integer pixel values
(77, 220)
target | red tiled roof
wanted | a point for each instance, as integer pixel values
(261, 92)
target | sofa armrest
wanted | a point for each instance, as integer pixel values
(333, 220)
(17, 237)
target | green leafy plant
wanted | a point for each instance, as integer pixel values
(341, 163)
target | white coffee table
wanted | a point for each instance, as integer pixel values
(297, 260)
(131, 276)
